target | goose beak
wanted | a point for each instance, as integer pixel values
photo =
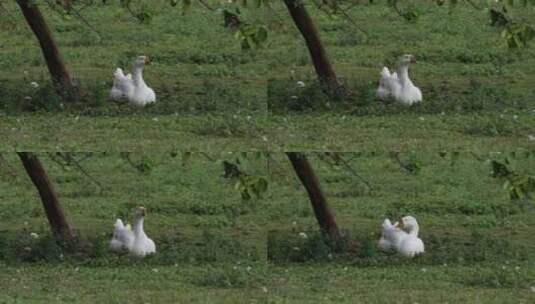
(413, 59)
(401, 224)
(147, 60)
(143, 211)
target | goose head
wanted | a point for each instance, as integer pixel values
(406, 60)
(141, 212)
(409, 224)
(141, 61)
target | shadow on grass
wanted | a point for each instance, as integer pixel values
(209, 97)
(287, 247)
(287, 96)
(172, 249)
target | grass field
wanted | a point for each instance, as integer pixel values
(215, 247)
(212, 93)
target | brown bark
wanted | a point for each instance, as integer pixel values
(320, 59)
(60, 227)
(323, 213)
(54, 61)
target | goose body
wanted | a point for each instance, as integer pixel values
(398, 85)
(134, 239)
(406, 243)
(132, 86)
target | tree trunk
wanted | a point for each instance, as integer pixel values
(54, 61)
(324, 215)
(60, 227)
(320, 59)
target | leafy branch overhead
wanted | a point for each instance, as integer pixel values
(516, 33)
(248, 185)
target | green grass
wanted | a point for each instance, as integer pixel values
(468, 76)
(325, 132)
(214, 247)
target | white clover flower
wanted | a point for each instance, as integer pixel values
(249, 268)
(532, 288)
(264, 289)
(300, 84)
(303, 235)
(34, 235)
(155, 270)
(34, 84)
(531, 137)
(155, 119)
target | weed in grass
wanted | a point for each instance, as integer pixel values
(504, 276)
(230, 126)
(305, 246)
(31, 247)
(236, 276)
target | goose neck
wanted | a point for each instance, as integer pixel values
(403, 74)
(137, 75)
(138, 227)
(414, 231)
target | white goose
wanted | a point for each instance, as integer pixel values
(411, 244)
(132, 86)
(405, 243)
(398, 84)
(134, 239)
(142, 245)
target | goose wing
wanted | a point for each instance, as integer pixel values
(122, 85)
(122, 238)
(386, 82)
